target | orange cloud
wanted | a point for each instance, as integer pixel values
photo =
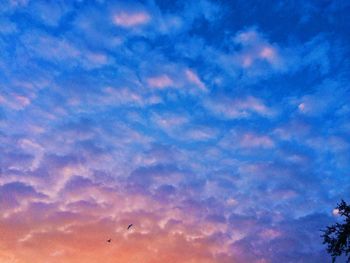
(75, 227)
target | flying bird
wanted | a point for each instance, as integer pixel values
(129, 226)
(109, 240)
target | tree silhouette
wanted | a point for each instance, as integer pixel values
(337, 237)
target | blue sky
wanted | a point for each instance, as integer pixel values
(220, 126)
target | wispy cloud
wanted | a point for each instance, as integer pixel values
(160, 82)
(193, 77)
(131, 19)
(237, 108)
(256, 50)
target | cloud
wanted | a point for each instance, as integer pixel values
(15, 101)
(255, 49)
(329, 92)
(222, 140)
(200, 133)
(131, 19)
(7, 27)
(160, 82)
(249, 140)
(62, 228)
(15, 196)
(56, 50)
(49, 14)
(122, 95)
(170, 122)
(193, 77)
(203, 8)
(238, 108)
(248, 143)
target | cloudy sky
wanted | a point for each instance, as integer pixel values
(220, 129)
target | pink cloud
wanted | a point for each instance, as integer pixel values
(193, 77)
(15, 101)
(22, 101)
(268, 53)
(265, 52)
(98, 212)
(269, 234)
(271, 54)
(253, 104)
(60, 50)
(119, 96)
(94, 60)
(127, 20)
(251, 140)
(246, 37)
(247, 61)
(169, 121)
(201, 134)
(294, 130)
(240, 107)
(160, 82)
(256, 48)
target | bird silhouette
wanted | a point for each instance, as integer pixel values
(129, 226)
(109, 240)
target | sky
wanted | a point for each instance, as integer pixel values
(219, 129)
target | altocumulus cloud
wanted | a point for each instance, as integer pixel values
(220, 130)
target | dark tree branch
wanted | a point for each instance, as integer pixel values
(337, 236)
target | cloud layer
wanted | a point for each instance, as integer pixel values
(220, 130)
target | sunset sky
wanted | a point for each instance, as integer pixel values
(219, 129)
